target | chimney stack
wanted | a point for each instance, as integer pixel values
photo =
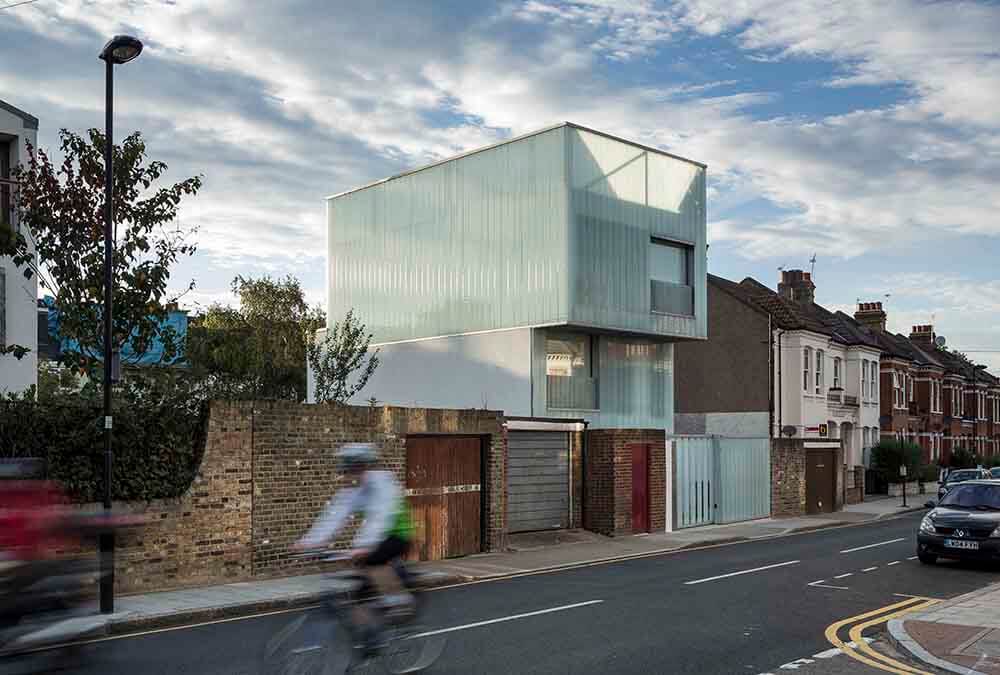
(797, 286)
(872, 315)
(923, 336)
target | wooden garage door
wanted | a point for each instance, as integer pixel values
(443, 475)
(537, 480)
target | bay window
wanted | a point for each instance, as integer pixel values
(806, 361)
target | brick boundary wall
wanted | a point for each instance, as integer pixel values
(267, 470)
(608, 473)
(294, 475)
(788, 477)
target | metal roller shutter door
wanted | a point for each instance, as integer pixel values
(537, 480)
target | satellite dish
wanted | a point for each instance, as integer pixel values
(788, 430)
(940, 341)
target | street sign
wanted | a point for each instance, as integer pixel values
(823, 430)
(902, 470)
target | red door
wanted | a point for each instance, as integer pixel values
(640, 487)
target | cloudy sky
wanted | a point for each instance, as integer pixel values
(867, 133)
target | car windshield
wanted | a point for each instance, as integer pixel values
(959, 476)
(985, 497)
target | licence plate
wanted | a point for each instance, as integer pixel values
(958, 543)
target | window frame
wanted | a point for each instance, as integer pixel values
(807, 369)
(837, 372)
(820, 372)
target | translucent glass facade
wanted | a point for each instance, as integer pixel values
(473, 244)
(622, 197)
(550, 229)
(630, 379)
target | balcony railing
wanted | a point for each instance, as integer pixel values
(838, 397)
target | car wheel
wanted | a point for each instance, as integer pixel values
(927, 558)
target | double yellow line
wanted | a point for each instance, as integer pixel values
(858, 624)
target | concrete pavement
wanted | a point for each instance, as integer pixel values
(961, 635)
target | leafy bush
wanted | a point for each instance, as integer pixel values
(990, 461)
(158, 438)
(963, 458)
(930, 474)
(888, 455)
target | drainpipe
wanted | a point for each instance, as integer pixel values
(583, 477)
(770, 371)
(780, 355)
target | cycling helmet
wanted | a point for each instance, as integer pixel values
(353, 456)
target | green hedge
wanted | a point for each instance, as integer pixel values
(158, 438)
(888, 455)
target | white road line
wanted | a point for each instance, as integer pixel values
(820, 584)
(844, 576)
(869, 569)
(507, 618)
(894, 562)
(912, 557)
(881, 543)
(736, 574)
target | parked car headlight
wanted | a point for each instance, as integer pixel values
(927, 525)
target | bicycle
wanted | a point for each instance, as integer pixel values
(305, 646)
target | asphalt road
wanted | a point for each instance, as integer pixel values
(741, 608)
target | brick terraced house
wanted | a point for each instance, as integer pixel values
(930, 395)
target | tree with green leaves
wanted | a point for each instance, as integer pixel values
(258, 350)
(341, 360)
(61, 208)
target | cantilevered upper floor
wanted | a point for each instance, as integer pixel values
(566, 226)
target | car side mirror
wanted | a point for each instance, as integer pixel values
(930, 504)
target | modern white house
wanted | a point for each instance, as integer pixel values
(547, 276)
(18, 295)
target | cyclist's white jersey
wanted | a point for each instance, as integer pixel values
(378, 496)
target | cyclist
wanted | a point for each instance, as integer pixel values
(384, 536)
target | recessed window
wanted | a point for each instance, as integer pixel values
(569, 370)
(836, 373)
(670, 275)
(806, 364)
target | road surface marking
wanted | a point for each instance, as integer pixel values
(855, 635)
(899, 607)
(881, 543)
(894, 562)
(502, 619)
(912, 557)
(918, 597)
(869, 569)
(736, 574)
(844, 576)
(828, 654)
(820, 584)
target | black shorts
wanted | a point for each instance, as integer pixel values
(392, 547)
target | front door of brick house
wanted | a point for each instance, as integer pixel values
(640, 487)
(820, 481)
(443, 486)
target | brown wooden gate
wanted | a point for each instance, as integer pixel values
(820, 481)
(443, 484)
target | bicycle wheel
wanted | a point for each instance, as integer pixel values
(412, 649)
(310, 644)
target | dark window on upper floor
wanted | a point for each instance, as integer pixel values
(671, 277)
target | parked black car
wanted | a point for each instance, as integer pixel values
(964, 524)
(960, 476)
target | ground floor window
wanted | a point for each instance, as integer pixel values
(570, 371)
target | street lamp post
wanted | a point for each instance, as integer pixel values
(120, 49)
